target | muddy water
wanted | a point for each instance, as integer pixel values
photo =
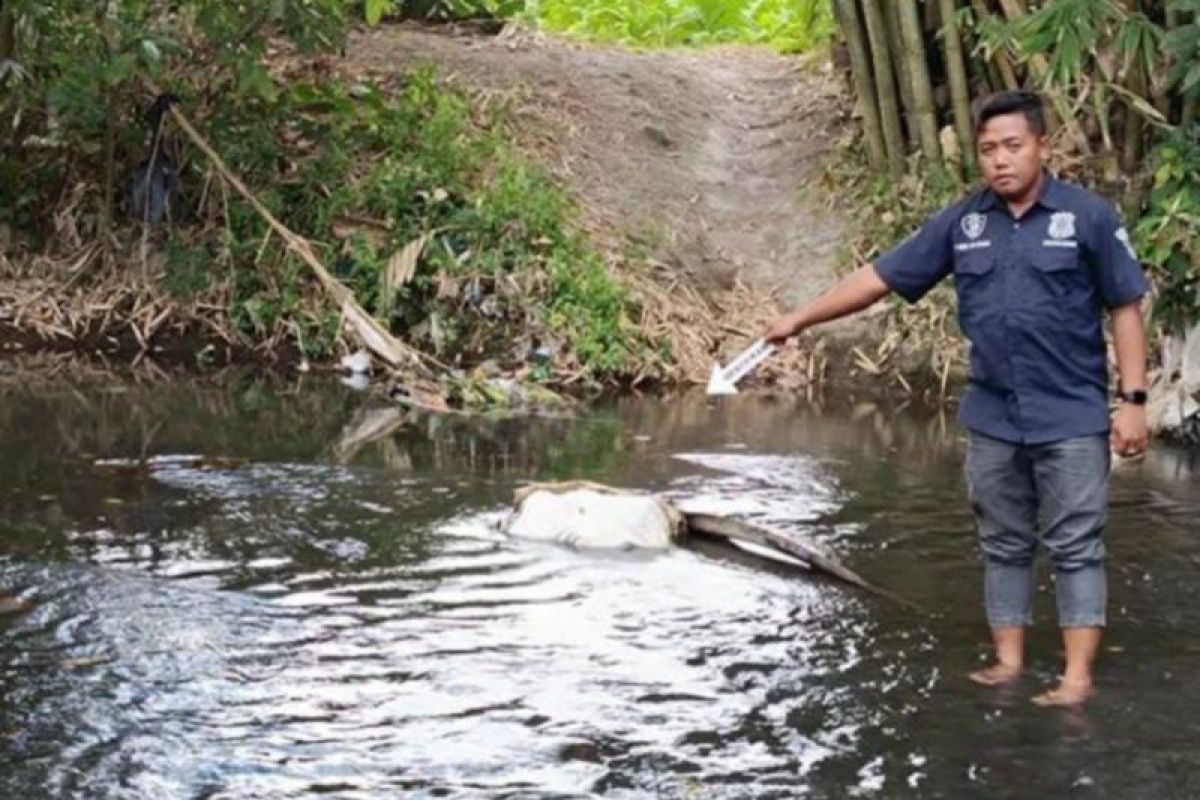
(237, 592)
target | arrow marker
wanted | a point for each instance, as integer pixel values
(724, 379)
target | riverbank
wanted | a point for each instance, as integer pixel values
(578, 216)
(518, 208)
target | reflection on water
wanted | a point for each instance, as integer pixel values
(261, 591)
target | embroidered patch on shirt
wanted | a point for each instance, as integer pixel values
(973, 245)
(1062, 225)
(973, 225)
(1123, 237)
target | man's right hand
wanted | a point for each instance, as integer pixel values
(852, 293)
(782, 329)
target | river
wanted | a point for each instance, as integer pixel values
(236, 593)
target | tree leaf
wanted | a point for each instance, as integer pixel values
(1193, 78)
(375, 9)
(150, 51)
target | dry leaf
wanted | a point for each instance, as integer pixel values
(400, 270)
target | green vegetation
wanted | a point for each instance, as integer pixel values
(1123, 82)
(787, 25)
(790, 26)
(376, 170)
(408, 191)
(1168, 233)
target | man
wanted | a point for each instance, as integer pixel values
(1033, 260)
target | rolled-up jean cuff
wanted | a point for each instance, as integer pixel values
(1008, 594)
(1082, 597)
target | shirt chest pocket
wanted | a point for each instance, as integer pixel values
(977, 284)
(1053, 260)
(1060, 281)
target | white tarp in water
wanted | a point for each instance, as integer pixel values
(590, 515)
(593, 518)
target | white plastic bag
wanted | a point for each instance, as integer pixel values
(580, 515)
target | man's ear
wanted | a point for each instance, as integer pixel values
(1044, 146)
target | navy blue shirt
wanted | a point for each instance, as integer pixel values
(1031, 293)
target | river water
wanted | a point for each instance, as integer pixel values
(236, 592)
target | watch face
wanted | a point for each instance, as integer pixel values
(1137, 397)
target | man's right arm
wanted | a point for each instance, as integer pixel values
(858, 290)
(910, 270)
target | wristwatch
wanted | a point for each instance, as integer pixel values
(1136, 397)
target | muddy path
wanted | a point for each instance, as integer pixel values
(705, 159)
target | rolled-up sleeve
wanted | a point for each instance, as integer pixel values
(916, 265)
(1119, 275)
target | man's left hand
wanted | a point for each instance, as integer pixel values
(1129, 431)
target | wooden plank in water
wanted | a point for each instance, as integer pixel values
(735, 529)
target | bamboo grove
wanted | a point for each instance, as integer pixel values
(1122, 80)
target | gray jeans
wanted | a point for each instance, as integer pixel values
(1051, 494)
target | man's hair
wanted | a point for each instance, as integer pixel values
(1020, 102)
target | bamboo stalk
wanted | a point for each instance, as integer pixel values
(900, 65)
(1161, 94)
(1135, 125)
(995, 82)
(1136, 82)
(956, 71)
(918, 73)
(1191, 100)
(999, 59)
(864, 81)
(885, 86)
(8, 31)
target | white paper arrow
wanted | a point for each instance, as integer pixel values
(724, 379)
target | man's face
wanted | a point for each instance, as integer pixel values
(1010, 155)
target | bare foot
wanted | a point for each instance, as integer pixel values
(995, 675)
(1065, 694)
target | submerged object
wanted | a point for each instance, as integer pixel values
(590, 515)
(593, 516)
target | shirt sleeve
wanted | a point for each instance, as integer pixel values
(1119, 275)
(916, 265)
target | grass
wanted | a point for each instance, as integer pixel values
(790, 26)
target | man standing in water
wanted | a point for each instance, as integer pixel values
(1034, 259)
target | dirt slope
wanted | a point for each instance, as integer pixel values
(701, 156)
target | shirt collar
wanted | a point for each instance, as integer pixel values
(1051, 196)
